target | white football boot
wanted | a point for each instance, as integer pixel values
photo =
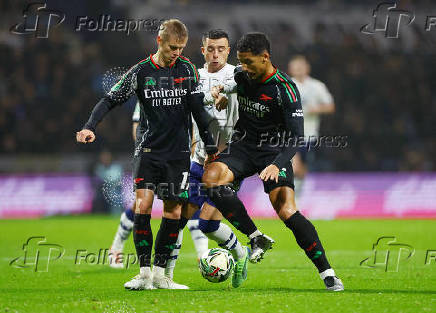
(161, 281)
(142, 281)
(331, 282)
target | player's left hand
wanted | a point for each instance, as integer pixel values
(221, 102)
(271, 172)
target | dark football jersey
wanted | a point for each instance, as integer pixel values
(270, 113)
(167, 96)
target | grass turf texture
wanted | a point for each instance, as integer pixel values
(285, 281)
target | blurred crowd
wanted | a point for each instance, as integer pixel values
(385, 100)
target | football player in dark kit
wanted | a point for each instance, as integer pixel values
(270, 119)
(166, 84)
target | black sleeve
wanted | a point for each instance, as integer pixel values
(119, 93)
(289, 99)
(195, 103)
(239, 76)
(99, 111)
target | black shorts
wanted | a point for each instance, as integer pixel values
(167, 178)
(245, 159)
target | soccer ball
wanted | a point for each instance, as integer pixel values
(216, 265)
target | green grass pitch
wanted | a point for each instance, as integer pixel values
(285, 281)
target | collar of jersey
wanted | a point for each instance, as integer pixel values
(221, 70)
(268, 78)
(157, 66)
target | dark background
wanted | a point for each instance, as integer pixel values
(383, 88)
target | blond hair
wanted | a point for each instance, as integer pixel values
(173, 27)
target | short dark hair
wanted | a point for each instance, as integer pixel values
(255, 43)
(215, 34)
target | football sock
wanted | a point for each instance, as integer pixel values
(143, 238)
(308, 240)
(171, 263)
(199, 239)
(223, 235)
(228, 203)
(124, 229)
(165, 241)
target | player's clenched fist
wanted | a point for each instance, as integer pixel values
(216, 90)
(85, 136)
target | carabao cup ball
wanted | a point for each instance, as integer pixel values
(216, 265)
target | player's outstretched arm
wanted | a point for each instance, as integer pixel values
(119, 94)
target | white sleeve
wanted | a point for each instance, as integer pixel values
(230, 84)
(323, 95)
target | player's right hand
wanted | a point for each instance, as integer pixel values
(221, 102)
(216, 90)
(85, 136)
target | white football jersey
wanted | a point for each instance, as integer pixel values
(221, 128)
(313, 94)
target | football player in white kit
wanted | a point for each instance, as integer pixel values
(316, 100)
(216, 71)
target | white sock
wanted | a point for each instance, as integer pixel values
(145, 271)
(123, 232)
(171, 263)
(199, 239)
(255, 234)
(226, 239)
(327, 273)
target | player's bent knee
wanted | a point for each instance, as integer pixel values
(143, 206)
(217, 174)
(211, 176)
(286, 211)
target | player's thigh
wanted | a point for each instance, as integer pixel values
(209, 212)
(197, 194)
(174, 180)
(283, 202)
(286, 173)
(217, 173)
(146, 171)
(143, 201)
(234, 163)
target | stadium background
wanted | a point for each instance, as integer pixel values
(385, 103)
